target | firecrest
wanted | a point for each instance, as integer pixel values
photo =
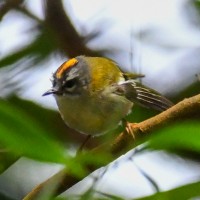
(93, 95)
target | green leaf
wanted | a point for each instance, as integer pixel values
(183, 193)
(6, 159)
(26, 137)
(185, 135)
(57, 129)
(43, 45)
(140, 113)
(189, 91)
(4, 197)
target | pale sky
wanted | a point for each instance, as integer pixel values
(169, 39)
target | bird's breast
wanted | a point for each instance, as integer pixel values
(93, 115)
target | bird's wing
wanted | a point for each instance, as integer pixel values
(140, 94)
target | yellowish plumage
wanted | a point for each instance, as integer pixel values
(93, 95)
(97, 110)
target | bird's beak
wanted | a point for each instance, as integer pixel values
(51, 91)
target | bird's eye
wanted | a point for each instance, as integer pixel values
(53, 83)
(70, 84)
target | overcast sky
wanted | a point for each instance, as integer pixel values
(163, 37)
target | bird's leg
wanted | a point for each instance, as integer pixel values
(129, 127)
(83, 144)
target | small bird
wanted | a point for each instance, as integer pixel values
(94, 96)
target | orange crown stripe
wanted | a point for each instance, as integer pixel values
(64, 66)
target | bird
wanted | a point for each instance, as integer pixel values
(94, 95)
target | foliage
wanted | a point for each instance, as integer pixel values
(30, 130)
(184, 192)
(25, 137)
(178, 137)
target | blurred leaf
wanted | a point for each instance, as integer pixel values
(181, 193)
(39, 49)
(100, 158)
(191, 9)
(140, 114)
(58, 129)
(4, 197)
(25, 136)
(178, 137)
(105, 196)
(43, 118)
(196, 3)
(6, 159)
(190, 91)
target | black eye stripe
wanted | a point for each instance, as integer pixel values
(70, 83)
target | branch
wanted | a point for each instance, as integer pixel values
(183, 110)
(8, 5)
(67, 36)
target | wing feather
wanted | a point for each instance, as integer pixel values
(147, 97)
